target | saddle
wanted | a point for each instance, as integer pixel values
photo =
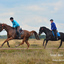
(58, 34)
(20, 31)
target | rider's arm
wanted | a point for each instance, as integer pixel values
(14, 24)
(51, 26)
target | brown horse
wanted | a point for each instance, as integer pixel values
(11, 34)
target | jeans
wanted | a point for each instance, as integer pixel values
(55, 33)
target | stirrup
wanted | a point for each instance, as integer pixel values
(57, 38)
(19, 37)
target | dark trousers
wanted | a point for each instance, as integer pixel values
(17, 31)
(55, 33)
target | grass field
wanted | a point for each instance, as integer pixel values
(32, 56)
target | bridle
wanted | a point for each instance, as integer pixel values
(2, 26)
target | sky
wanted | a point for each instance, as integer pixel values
(32, 14)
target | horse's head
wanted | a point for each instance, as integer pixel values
(41, 30)
(1, 27)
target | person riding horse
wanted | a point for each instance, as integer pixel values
(54, 28)
(16, 25)
(11, 34)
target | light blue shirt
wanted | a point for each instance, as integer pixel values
(15, 24)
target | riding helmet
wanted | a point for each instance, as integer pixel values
(51, 20)
(11, 18)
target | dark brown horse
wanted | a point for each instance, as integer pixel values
(11, 34)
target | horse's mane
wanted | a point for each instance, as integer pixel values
(47, 29)
(8, 25)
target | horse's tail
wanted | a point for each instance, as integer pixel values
(35, 33)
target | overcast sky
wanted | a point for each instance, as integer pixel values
(32, 14)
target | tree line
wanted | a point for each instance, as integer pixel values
(32, 37)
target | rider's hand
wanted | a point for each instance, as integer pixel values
(13, 28)
(51, 30)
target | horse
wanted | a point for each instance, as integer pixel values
(11, 34)
(50, 37)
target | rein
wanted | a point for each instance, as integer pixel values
(2, 25)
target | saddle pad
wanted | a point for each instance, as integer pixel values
(22, 32)
(58, 34)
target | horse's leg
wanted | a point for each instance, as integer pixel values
(47, 39)
(20, 44)
(7, 40)
(60, 44)
(44, 41)
(8, 44)
(27, 44)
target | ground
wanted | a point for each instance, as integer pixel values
(32, 56)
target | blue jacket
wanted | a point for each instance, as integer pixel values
(53, 26)
(15, 24)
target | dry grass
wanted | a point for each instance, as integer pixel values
(31, 56)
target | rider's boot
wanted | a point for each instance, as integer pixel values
(56, 37)
(20, 33)
(19, 36)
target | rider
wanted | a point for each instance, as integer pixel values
(54, 28)
(16, 25)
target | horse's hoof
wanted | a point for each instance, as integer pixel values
(27, 48)
(0, 46)
(44, 47)
(16, 45)
(58, 48)
(9, 46)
